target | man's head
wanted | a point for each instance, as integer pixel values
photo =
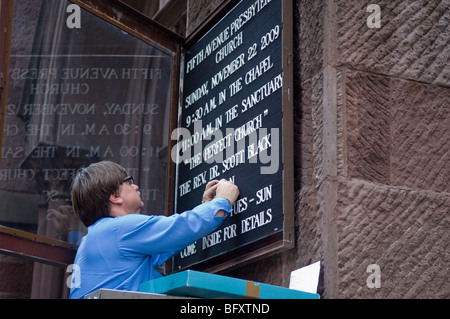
(104, 190)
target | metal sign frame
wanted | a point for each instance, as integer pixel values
(285, 239)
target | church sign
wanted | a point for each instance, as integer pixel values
(235, 123)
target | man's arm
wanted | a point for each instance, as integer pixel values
(150, 235)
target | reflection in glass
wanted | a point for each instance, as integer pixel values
(77, 96)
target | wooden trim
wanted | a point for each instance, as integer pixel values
(38, 248)
(134, 22)
(244, 255)
(288, 124)
(172, 13)
(172, 126)
(5, 41)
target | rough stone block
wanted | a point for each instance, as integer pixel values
(420, 136)
(412, 42)
(311, 37)
(403, 231)
(368, 126)
(198, 11)
(16, 275)
(303, 148)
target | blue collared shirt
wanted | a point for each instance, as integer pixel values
(121, 253)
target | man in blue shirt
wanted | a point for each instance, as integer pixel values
(122, 247)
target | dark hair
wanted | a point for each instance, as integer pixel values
(92, 187)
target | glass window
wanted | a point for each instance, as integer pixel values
(80, 91)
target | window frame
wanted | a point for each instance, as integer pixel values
(51, 251)
(55, 252)
(5, 39)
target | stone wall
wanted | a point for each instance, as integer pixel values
(372, 148)
(16, 275)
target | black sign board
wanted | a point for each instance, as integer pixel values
(235, 123)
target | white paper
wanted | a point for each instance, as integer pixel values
(306, 279)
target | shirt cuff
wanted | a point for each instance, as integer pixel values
(221, 203)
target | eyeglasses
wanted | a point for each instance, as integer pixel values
(129, 180)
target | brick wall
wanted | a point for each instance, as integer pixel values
(372, 148)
